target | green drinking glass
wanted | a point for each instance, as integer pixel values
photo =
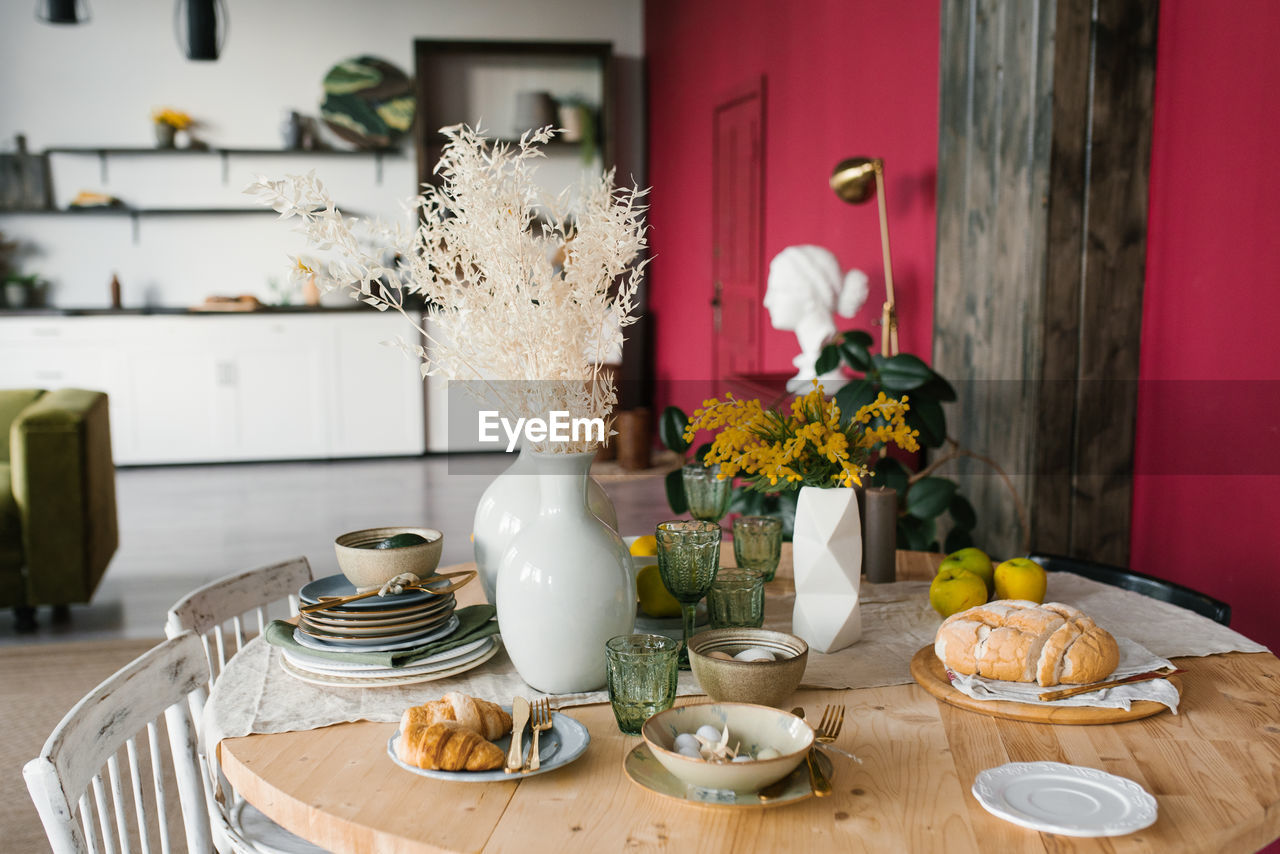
(688, 559)
(706, 492)
(736, 599)
(642, 677)
(757, 543)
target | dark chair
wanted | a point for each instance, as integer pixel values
(1147, 585)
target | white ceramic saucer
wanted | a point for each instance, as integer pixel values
(1065, 799)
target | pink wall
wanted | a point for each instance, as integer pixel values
(1207, 494)
(828, 96)
(1206, 505)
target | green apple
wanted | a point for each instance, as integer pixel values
(955, 589)
(1021, 578)
(974, 560)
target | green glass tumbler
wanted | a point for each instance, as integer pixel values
(757, 543)
(688, 559)
(642, 677)
(736, 599)
(706, 492)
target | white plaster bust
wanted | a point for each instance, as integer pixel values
(805, 287)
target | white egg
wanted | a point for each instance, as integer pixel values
(754, 653)
(723, 656)
(685, 741)
(767, 753)
(742, 757)
(691, 752)
(709, 732)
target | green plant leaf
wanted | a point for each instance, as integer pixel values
(828, 359)
(857, 336)
(747, 502)
(937, 388)
(902, 372)
(926, 415)
(671, 431)
(853, 397)
(928, 497)
(675, 493)
(891, 473)
(957, 539)
(915, 534)
(962, 513)
(856, 355)
(701, 454)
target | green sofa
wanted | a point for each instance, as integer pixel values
(58, 526)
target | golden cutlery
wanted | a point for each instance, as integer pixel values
(817, 779)
(539, 723)
(519, 717)
(335, 601)
(1162, 673)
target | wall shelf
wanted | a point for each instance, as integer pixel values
(105, 152)
(135, 214)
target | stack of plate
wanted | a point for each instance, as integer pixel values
(406, 620)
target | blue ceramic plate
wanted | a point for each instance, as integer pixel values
(337, 585)
(564, 742)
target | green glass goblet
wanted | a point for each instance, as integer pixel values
(707, 493)
(688, 560)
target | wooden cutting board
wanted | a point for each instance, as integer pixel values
(929, 673)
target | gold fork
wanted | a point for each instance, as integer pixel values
(830, 724)
(539, 721)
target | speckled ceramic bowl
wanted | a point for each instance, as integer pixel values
(753, 728)
(368, 567)
(767, 683)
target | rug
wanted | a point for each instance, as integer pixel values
(39, 684)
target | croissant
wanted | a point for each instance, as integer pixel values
(1020, 641)
(480, 716)
(448, 746)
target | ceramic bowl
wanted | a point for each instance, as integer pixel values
(368, 567)
(766, 683)
(753, 728)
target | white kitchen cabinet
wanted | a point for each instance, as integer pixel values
(188, 389)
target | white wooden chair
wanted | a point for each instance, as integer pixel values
(225, 614)
(77, 781)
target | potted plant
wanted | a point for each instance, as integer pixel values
(167, 122)
(21, 291)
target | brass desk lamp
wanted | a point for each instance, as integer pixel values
(854, 180)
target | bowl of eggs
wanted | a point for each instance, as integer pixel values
(743, 665)
(371, 557)
(734, 746)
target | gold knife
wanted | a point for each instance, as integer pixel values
(1163, 673)
(519, 717)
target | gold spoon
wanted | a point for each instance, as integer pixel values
(335, 601)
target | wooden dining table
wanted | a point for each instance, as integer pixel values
(1214, 769)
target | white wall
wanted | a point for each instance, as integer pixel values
(96, 85)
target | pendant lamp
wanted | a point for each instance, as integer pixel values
(201, 27)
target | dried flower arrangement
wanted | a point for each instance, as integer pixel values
(484, 260)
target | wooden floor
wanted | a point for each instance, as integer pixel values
(182, 526)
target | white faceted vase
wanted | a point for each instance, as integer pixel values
(827, 550)
(511, 500)
(565, 585)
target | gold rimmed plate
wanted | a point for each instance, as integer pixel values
(643, 769)
(389, 631)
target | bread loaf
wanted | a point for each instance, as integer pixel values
(447, 746)
(1019, 641)
(486, 719)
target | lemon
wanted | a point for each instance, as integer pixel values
(646, 546)
(954, 590)
(974, 560)
(655, 600)
(1020, 578)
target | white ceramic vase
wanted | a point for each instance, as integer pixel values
(565, 584)
(827, 551)
(511, 500)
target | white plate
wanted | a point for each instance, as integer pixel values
(557, 747)
(371, 644)
(1065, 799)
(335, 667)
(390, 680)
